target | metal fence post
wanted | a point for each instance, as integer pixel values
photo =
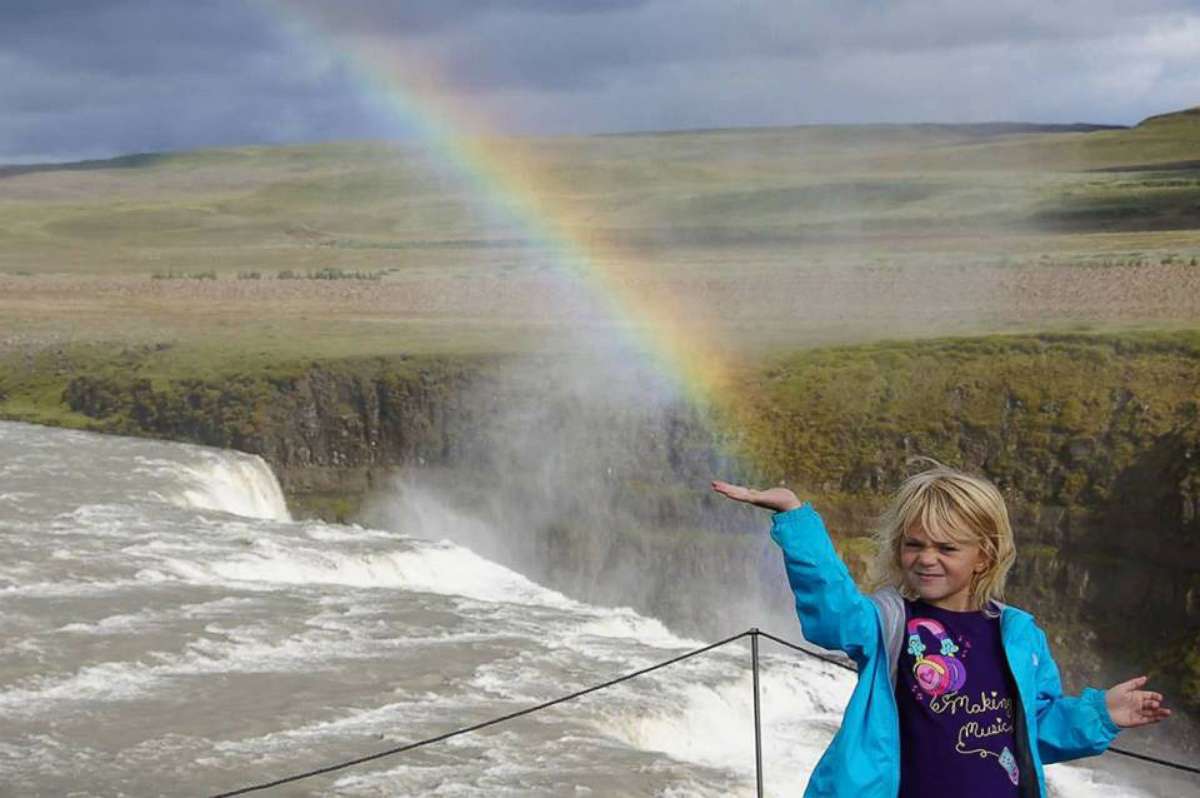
(758, 770)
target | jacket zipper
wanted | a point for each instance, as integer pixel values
(1028, 742)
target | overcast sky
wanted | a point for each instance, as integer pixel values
(94, 78)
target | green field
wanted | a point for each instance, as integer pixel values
(766, 240)
(366, 206)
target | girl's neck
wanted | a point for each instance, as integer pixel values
(950, 604)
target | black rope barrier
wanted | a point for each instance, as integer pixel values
(814, 654)
(753, 634)
(483, 725)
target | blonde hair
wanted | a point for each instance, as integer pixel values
(948, 505)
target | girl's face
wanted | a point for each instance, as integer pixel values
(940, 571)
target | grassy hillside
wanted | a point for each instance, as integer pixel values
(350, 205)
(764, 240)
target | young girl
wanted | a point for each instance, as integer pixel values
(957, 693)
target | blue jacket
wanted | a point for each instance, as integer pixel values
(863, 760)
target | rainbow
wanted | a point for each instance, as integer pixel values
(505, 175)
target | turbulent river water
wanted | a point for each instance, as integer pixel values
(167, 629)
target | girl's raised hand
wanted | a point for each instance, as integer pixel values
(1128, 706)
(777, 499)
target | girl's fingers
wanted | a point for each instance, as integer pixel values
(735, 492)
(1134, 707)
(1133, 683)
(1150, 708)
(1154, 717)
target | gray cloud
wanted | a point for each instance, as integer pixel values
(406, 19)
(512, 51)
(93, 77)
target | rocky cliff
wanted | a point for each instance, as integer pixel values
(329, 430)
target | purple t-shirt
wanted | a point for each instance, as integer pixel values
(955, 697)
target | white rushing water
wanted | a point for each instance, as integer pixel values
(168, 630)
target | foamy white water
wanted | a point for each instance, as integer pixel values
(230, 482)
(168, 630)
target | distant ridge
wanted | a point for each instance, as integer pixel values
(1174, 116)
(1001, 128)
(121, 162)
(967, 128)
(974, 129)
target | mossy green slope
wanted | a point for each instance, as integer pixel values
(826, 415)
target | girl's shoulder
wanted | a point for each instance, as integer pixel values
(1018, 626)
(1016, 614)
(890, 606)
(887, 594)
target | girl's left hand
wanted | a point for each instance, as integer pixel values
(777, 499)
(1128, 706)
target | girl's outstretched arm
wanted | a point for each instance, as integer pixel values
(1070, 727)
(833, 613)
